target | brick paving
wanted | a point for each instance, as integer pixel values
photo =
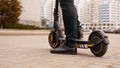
(32, 51)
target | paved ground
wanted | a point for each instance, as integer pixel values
(32, 51)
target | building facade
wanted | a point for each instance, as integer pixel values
(93, 14)
(83, 12)
(47, 9)
(104, 15)
(109, 15)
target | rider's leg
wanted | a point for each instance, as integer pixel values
(71, 24)
(70, 19)
(79, 30)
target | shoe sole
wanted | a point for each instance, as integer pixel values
(69, 53)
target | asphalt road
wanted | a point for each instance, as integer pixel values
(32, 51)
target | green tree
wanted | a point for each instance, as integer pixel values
(10, 11)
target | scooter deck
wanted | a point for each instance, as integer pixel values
(83, 44)
(78, 41)
(83, 41)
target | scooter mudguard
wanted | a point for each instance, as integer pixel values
(103, 35)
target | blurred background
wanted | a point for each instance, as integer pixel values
(38, 14)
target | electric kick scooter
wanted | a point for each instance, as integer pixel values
(97, 41)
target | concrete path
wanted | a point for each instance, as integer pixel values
(32, 51)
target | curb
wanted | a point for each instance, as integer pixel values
(10, 32)
(15, 32)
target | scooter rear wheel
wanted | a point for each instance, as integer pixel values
(100, 49)
(53, 40)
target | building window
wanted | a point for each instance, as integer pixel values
(82, 24)
(90, 27)
(103, 27)
(100, 28)
(95, 24)
(104, 24)
(91, 24)
(108, 24)
(111, 24)
(100, 24)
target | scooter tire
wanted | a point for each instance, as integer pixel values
(100, 49)
(53, 40)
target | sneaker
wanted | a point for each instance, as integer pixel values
(64, 50)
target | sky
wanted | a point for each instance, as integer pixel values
(31, 10)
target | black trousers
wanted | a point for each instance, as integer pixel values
(71, 23)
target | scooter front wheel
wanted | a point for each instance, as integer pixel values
(53, 40)
(100, 49)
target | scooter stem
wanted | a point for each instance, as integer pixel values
(57, 26)
(56, 15)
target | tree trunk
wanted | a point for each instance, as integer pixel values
(1, 20)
